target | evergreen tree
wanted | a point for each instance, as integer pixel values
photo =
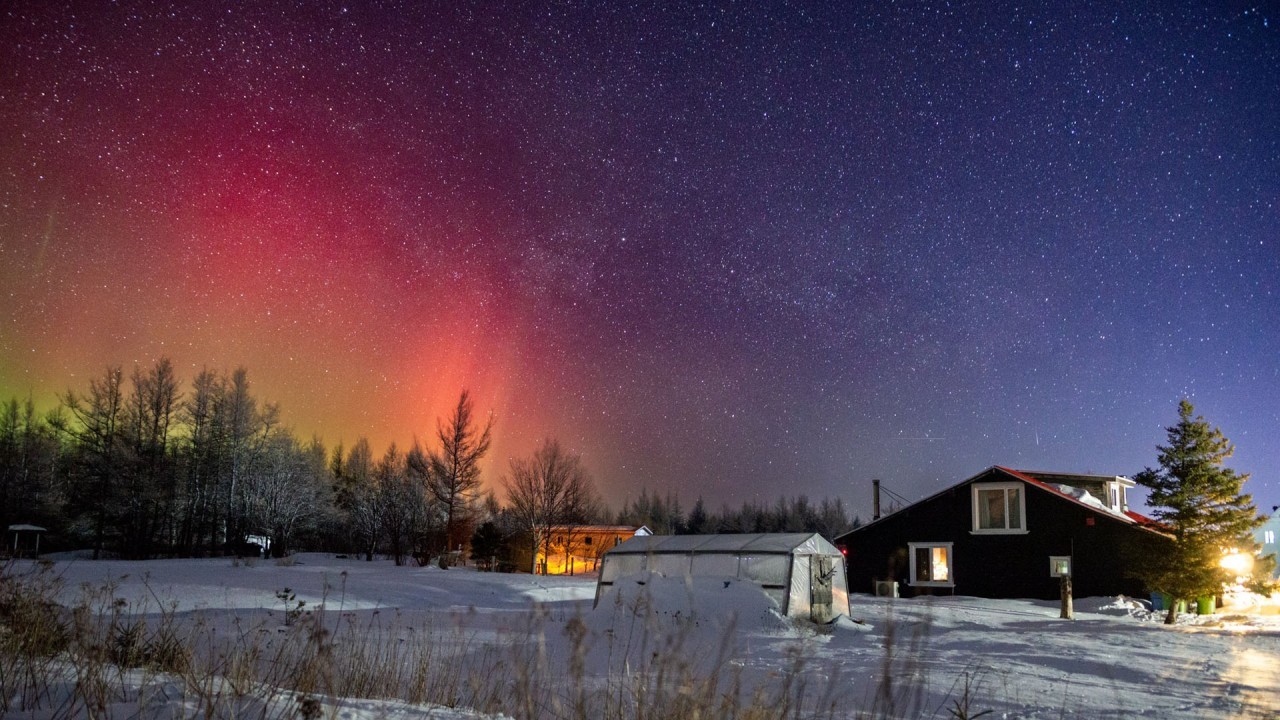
(29, 453)
(486, 545)
(698, 521)
(1203, 507)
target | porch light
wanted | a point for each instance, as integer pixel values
(1237, 562)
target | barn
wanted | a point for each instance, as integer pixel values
(803, 573)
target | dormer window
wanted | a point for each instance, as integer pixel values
(1118, 494)
(999, 508)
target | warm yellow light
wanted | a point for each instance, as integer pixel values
(1237, 562)
(940, 570)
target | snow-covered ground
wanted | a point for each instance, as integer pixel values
(1114, 660)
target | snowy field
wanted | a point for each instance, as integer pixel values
(904, 658)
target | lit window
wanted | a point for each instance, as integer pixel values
(931, 565)
(1269, 537)
(999, 508)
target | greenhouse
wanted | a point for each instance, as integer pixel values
(802, 572)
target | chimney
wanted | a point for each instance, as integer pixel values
(875, 500)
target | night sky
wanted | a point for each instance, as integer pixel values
(734, 250)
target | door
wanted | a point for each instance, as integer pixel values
(821, 574)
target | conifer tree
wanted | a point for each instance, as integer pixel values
(453, 472)
(1202, 505)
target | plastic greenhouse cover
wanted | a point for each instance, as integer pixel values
(768, 569)
(620, 566)
(715, 564)
(753, 543)
(669, 565)
(839, 592)
(800, 590)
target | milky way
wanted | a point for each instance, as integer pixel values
(732, 251)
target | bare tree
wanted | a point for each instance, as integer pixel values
(244, 431)
(399, 503)
(99, 444)
(284, 493)
(453, 471)
(28, 463)
(359, 498)
(199, 453)
(150, 493)
(547, 489)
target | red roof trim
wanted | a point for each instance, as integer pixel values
(1046, 486)
(1145, 521)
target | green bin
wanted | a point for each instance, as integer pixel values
(1204, 605)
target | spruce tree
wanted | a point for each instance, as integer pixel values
(1201, 505)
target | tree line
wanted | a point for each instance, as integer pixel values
(663, 515)
(133, 466)
(136, 468)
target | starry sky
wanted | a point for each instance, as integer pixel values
(733, 250)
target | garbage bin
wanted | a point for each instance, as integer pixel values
(1205, 605)
(1158, 600)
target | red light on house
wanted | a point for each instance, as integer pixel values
(844, 550)
(1088, 521)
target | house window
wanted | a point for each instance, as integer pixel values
(931, 565)
(1059, 565)
(1269, 537)
(586, 540)
(999, 508)
(1118, 497)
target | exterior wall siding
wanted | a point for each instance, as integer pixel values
(1101, 546)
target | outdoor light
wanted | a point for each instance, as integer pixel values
(1237, 562)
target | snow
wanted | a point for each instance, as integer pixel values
(1085, 497)
(1114, 660)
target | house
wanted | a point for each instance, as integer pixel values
(1267, 535)
(578, 548)
(1007, 533)
(800, 572)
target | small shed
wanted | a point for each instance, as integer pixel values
(33, 531)
(802, 572)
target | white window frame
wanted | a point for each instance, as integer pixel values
(1054, 560)
(1117, 496)
(951, 565)
(1022, 507)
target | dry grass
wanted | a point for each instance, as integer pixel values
(105, 653)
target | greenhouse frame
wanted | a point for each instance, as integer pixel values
(802, 572)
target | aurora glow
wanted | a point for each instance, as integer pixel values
(733, 251)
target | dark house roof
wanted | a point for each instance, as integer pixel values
(1051, 482)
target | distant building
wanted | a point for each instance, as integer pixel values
(1267, 536)
(1007, 533)
(26, 540)
(577, 549)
